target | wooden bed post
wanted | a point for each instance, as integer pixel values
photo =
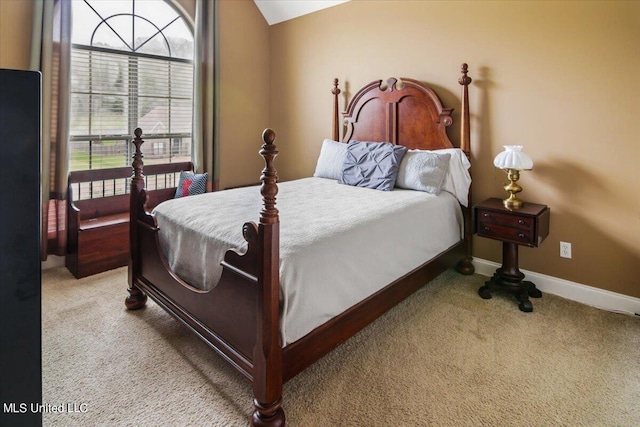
(267, 353)
(335, 91)
(465, 265)
(136, 299)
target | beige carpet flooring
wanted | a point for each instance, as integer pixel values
(444, 357)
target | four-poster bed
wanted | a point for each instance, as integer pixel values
(242, 315)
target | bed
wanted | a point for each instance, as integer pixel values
(254, 295)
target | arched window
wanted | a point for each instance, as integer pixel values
(131, 66)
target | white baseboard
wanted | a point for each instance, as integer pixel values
(599, 298)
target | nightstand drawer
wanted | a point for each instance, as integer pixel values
(527, 226)
(508, 220)
(505, 232)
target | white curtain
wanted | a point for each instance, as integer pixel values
(204, 105)
(50, 54)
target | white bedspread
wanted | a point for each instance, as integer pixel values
(338, 244)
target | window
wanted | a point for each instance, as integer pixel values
(131, 66)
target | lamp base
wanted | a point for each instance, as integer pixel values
(513, 188)
(512, 202)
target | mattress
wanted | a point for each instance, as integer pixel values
(338, 244)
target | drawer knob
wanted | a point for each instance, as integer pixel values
(486, 228)
(486, 215)
(521, 235)
(521, 221)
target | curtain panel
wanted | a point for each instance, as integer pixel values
(50, 54)
(203, 91)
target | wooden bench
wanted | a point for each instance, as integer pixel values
(98, 214)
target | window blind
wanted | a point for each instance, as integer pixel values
(113, 92)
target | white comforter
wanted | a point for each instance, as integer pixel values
(338, 244)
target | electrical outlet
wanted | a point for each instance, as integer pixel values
(565, 250)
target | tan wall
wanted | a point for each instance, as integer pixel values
(15, 33)
(243, 91)
(556, 77)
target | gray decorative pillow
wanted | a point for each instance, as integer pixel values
(372, 164)
(423, 171)
(331, 158)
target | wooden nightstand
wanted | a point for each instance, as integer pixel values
(527, 226)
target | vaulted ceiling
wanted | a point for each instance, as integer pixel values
(275, 11)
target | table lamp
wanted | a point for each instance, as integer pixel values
(513, 160)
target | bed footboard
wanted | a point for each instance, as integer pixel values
(239, 317)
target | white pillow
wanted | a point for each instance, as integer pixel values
(331, 159)
(423, 171)
(457, 179)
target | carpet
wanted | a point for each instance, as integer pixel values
(443, 357)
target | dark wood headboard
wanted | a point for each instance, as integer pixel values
(405, 112)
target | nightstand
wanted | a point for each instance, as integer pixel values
(526, 226)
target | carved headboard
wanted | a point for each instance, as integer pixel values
(405, 112)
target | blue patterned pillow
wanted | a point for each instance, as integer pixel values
(191, 183)
(372, 164)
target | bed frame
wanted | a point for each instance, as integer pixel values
(239, 317)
